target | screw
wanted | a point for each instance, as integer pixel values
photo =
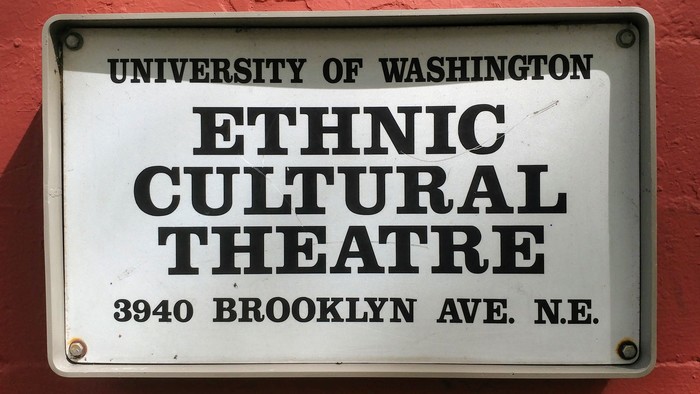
(627, 350)
(77, 349)
(73, 41)
(625, 38)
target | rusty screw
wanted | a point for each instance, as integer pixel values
(627, 350)
(77, 349)
(73, 41)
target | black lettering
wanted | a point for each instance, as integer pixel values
(199, 73)
(467, 132)
(199, 189)
(493, 192)
(142, 68)
(228, 250)
(400, 307)
(559, 67)
(113, 74)
(317, 130)
(178, 72)
(550, 308)
(225, 311)
(242, 68)
(209, 130)
(412, 190)
(310, 309)
(364, 251)
(517, 68)
(579, 312)
(403, 245)
(160, 67)
(457, 65)
(258, 189)
(440, 130)
(183, 265)
(509, 249)
(333, 70)
(469, 313)
(142, 190)
(352, 189)
(447, 249)
(258, 66)
(494, 311)
(296, 65)
(221, 73)
(382, 118)
(352, 311)
(292, 248)
(580, 66)
(495, 69)
(393, 72)
(250, 306)
(449, 309)
(538, 61)
(270, 309)
(325, 309)
(533, 201)
(309, 183)
(436, 72)
(274, 65)
(376, 305)
(272, 127)
(415, 71)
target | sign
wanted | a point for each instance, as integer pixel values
(431, 197)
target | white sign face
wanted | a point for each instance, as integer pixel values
(413, 195)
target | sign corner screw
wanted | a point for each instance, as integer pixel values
(626, 38)
(73, 41)
(627, 350)
(77, 349)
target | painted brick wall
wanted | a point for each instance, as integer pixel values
(23, 365)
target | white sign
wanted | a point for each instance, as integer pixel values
(458, 195)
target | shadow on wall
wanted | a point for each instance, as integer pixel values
(23, 326)
(22, 302)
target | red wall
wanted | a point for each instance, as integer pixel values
(23, 365)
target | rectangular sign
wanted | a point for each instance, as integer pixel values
(279, 195)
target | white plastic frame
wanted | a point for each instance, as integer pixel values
(55, 30)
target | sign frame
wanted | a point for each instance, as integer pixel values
(55, 31)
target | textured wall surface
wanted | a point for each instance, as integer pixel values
(23, 365)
